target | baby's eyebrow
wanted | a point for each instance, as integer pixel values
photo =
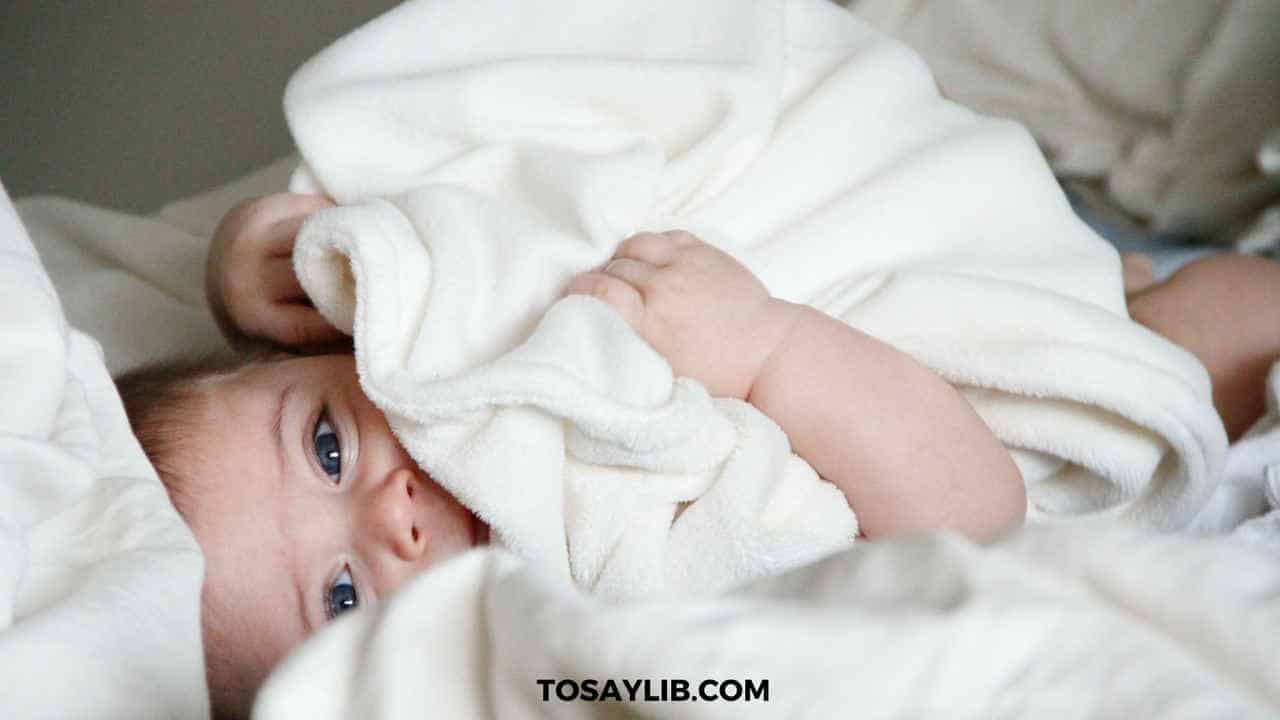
(277, 426)
(307, 626)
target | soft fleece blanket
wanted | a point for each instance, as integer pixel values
(1088, 620)
(484, 151)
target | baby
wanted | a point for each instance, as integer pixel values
(306, 506)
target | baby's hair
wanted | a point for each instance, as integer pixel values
(165, 403)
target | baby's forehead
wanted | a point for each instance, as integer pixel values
(236, 446)
(251, 383)
(263, 372)
(235, 441)
(235, 503)
(282, 369)
(229, 449)
(222, 469)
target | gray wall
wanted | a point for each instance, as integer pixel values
(131, 104)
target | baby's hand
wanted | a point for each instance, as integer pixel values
(706, 313)
(249, 279)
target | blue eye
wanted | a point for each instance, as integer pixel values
(327, 448)
(341, 595)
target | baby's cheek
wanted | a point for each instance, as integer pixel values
(451, 527)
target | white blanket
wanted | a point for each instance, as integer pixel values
(484, 151)
(99, 578)
(1077, 621)
(1168, 103)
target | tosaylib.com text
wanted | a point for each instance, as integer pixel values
(637, 690)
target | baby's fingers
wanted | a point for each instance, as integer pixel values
(282, 235)
(622, 296)
(296, 324)
(635, 273)
(279, 281)
(657, 249)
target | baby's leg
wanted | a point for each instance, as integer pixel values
(1226, 311)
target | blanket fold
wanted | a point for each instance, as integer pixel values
(99, 577)
(486, 151)
(926, 626)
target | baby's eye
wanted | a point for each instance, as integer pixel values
(341, 595)
(327, 448)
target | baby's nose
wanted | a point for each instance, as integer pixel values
(396, 511)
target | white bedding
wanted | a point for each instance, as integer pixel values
(102, 261)
(1167, 103)
(466, 168)
(1078, 621)
(477, 176)
(99, 578)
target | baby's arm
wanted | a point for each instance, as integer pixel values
(249, 280)
(905, 447)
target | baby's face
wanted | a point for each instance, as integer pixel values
(306, 506)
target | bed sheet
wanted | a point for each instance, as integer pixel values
(101, 260)
(99, 577)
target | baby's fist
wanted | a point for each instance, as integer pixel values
(249, 279)
(701, 309)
